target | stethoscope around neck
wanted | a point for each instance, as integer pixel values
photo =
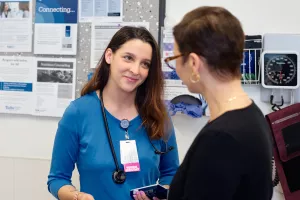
(119, 176)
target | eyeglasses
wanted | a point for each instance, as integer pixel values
(168, 59)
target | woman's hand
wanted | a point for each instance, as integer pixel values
(140, 195)
(85, 196)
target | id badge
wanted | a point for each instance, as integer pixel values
(129, 156)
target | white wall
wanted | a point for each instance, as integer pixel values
(26, 142)
(256, 16)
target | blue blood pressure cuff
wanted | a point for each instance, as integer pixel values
(188, 105)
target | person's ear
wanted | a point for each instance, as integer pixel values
(108, 55)
(195, 62)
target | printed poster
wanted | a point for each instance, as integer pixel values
(15, 26)
(36, 86)
(16, 84)
(56, 27)
(102, 10)
(54, 85)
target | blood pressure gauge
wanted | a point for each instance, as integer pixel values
(280, 69)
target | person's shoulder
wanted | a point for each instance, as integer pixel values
(214, 140)
(82, 105)
(217, 135)
(86, 101)
(238, 120)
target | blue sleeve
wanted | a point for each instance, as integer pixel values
(169, 162)
(65, 151)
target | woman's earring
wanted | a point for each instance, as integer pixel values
(195, 78)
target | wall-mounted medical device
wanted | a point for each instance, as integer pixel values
(280, 69)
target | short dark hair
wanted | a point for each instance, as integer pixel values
(216, 35)
(148, 100)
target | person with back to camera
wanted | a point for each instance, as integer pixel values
(230, 159)
(123, 98)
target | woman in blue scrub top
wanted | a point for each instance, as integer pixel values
(129, 83)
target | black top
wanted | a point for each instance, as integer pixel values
(230, 159)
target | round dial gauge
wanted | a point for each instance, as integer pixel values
(281, 70)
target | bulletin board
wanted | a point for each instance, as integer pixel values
(133, 11)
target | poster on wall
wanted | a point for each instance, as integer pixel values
(56, 27)
(15, 25)
(54, 85)
(16, 84)
(102, 10)
(101, 35)
(177, 96)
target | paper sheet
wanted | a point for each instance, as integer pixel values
(54, 86)
(16, 26)
(16, 84)
(102, 10)
(36, 86)
(56, 27)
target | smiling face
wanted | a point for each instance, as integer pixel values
(129, 65)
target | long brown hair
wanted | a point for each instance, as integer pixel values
(149, 95)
